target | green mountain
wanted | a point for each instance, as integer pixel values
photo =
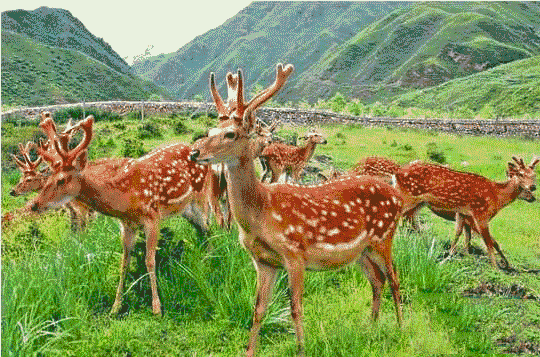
(363, 50)
(37, 74)
(59, 28)
(258, 37)
(511, 89)
(424, 45)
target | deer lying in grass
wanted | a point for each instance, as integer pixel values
(141, 193)
(301, 227)
(470, 197)
(289, 160)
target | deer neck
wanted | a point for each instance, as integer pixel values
(247, 196)
(102, 196)
(507, 192)
(307, 151)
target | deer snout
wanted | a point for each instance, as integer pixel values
(13, 193)
(34, 207)
(533, 188)
(194, 154)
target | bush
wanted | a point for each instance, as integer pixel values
(338, 103)
(180, 128)
(149, 131)
(378, 110)
(356, 108)
(435, 154)
(135, 115)
(77, 113)
(133, 148)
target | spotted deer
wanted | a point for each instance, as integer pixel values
(386, 169)
(295, 227)
(473, 199)
(263, 132)
(141, 193)
(33, 180)
(287, 159)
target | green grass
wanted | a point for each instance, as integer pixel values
(57, 287)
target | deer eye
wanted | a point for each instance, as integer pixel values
(61, 182)
(230, 135)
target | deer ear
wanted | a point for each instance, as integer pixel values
(534, 162)
(81, 160)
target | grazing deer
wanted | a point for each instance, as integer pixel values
(472, 198)
(33, 180)
(143, 192)
(282, 158)
(301, 227)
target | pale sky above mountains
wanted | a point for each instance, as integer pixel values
(131, 27)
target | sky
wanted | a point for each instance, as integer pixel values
(130, 27)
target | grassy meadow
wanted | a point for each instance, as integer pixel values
(58, 286)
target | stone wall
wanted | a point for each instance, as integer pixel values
(524, 128)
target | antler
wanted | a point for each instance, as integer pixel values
(281, 76)
(69, 155)
(220, 106)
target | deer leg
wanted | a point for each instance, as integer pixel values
(266, 276)
(377, 279)
(490, 243)
(128, 234)
(295, 270)
(411, 217)
(151, 229)
(467, 238)
(387, 267)
(458, 231)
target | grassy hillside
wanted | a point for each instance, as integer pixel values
(57, 286)
(36, 74)
(59, 28)
(508, 90)
(258, 37)
(426, 44)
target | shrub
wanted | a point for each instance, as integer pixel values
(180, 128)
(133, 148)
(338, 103)
(149, 131)
(135, 115)
(435, 154)
(378, 110)
(356, 108)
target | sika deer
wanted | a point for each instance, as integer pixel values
(387, 169)
(297, 227)
(143, 192)
(283, 158)
(467, 194)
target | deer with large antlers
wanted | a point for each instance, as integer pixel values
(142, 192)
(473, 199)
(301, 227)
(33, 179)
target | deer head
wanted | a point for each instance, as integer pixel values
(65, 182)
(314, 137)
(31, 179)
(524, 176)
(237, 122)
